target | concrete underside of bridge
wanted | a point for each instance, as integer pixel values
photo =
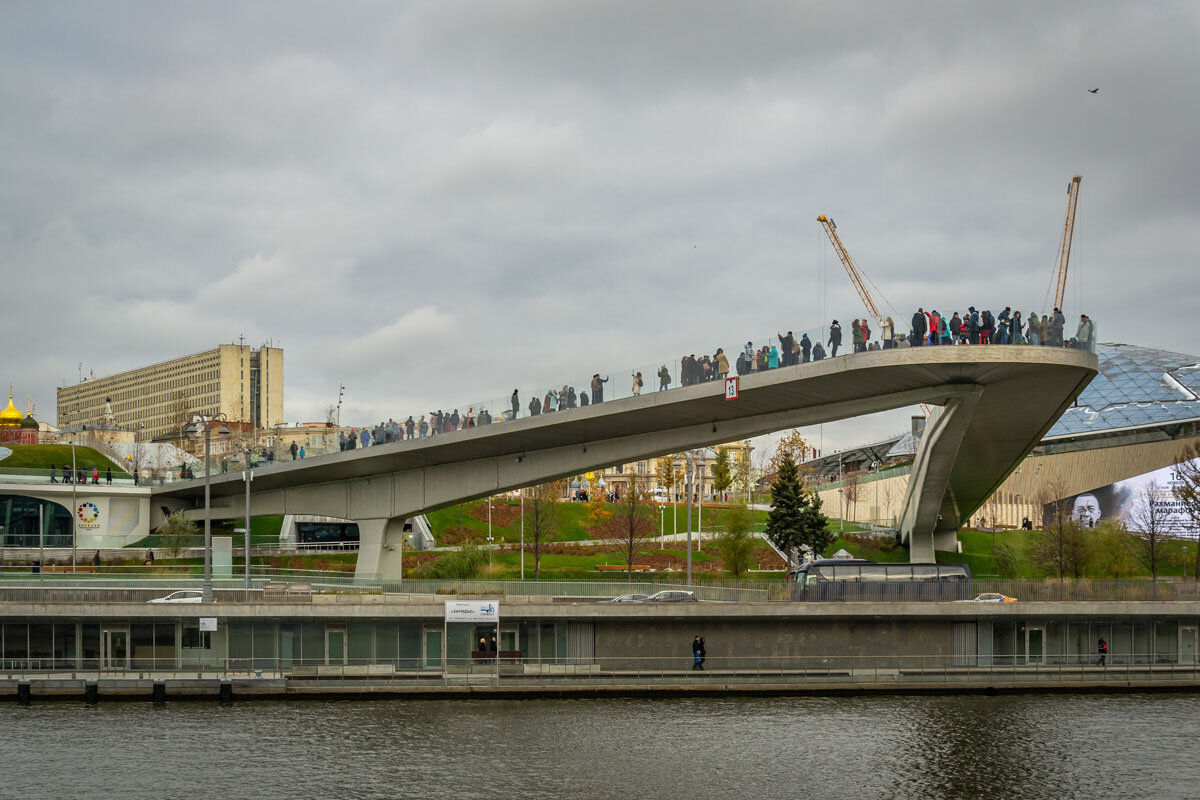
(996, 404)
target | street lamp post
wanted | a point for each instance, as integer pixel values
(689, 519)
(700, 505)
(675, 501)
(522, 533)
(247, 475)
(74, 507)
(207, 595)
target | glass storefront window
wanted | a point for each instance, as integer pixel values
(65, 650)
(41, 644)
(1004, 643)
(241, 644)
(360, 647)
(408, 646)
(141, 642)
(91, 646)
(1120, 646)
(386, 643)
(1166, 642)
(312, 643)
(264, 645)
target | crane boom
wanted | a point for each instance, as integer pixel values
(1064, 248)
(856, 276)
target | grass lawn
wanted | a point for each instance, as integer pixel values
(35, 458)
(468, 521)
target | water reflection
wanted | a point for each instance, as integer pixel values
(927, 747)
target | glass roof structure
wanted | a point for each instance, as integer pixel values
(1137, 387)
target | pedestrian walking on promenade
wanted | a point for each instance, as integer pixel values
(703, 652)
(52, 479)
(1102, 650)
(697, 649)
(108, 476)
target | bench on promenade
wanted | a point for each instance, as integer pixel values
(624, 568)
(278, 590)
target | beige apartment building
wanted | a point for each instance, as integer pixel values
(646, 472)
(243, 382)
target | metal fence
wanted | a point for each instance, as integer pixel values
(104, 586)
(517, 672)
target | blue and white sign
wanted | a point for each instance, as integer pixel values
(472, 611)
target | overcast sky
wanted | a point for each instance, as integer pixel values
(433, 203)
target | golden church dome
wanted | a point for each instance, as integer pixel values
(10, 415)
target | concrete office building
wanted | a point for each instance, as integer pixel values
(244, 383)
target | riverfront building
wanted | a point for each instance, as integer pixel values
(244, 383)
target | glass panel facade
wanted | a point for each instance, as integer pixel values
(1004, 643)
(66, 650)
(91, 645)
(408, 643)
(386, 643)
(241, 644)
(458, 642)
(361, 648)
(312, 643)
(289, 645)
(41, 644)
(264, 645)
(141, 644)
(1166, 642)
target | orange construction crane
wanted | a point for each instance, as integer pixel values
(856, 275)
(1064, 247)
(859, 279)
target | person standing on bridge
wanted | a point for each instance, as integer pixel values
(535, 407)
(637, 384)
(818, 353)
(772, 358)
(410, 427)
(805, 349)
(722, 365)
(1059, 321)
(598, 388)
(785, 348)
(835, 338)
(664, 378)
(886, 331)
(293, 450)
(972, 326)
(516, 404)
(1086, 334)
(919, 327)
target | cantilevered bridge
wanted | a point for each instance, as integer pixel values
(994, 403)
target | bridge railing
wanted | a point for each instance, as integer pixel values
(613, 385)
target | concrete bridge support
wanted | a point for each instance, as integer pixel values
(921, 520)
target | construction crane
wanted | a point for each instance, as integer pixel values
(856, 275)
(859, 279)
(1064, 247)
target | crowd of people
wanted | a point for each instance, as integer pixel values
(927, 328)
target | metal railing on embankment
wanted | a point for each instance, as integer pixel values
(517, 672)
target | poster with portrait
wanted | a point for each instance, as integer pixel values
(1120, 501)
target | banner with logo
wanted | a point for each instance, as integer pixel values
(472, 611)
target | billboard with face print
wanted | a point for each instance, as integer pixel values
(1119, 502)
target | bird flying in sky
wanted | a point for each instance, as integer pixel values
(1095, 91)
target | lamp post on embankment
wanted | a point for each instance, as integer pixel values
(192, 428)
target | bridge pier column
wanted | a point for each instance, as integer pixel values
(380, 549)
(921, 522)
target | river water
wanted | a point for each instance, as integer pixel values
(1088, 746)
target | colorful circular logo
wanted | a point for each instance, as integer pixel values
(88, 512)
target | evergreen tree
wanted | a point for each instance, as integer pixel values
(795, 517)
(785, 519)
(722, 471)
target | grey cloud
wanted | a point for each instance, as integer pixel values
(434, 202)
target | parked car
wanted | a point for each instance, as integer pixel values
(632, 597)
(990, 597)
(672, 596)
(182, 596)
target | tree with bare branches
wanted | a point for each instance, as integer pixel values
(1149, 526)
(1062, 548)
(632, 520)
(541, 517)
(1186, 488)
